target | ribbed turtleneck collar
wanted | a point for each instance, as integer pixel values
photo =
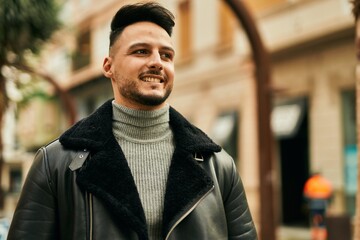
(140, 125)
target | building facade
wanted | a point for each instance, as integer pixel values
(310, 43)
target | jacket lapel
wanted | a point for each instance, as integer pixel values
(186, 184)
(106, 174)
(187, 181)
(108, 177)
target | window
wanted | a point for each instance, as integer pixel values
(226, 26)
(185, 36)
(287, 117)
(350, 148)
(225, 132)
(90, 105)
(81, 57)
(15, 180)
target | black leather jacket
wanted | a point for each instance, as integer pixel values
(80, 187)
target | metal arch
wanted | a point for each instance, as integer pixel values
(265, 139)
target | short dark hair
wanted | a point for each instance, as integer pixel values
(132, 13)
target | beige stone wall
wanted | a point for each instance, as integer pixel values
(321, 73)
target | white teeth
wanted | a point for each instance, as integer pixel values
(150, 79)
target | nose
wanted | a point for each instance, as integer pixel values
(155, 62)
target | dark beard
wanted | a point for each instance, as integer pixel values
(149, 100)
(144, 100)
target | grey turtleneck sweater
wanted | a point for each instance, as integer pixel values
(146, 139)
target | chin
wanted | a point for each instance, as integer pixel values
(152, 100)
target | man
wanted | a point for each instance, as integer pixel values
(135, 168)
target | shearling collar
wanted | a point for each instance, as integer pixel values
(95, 131)
(107, 175)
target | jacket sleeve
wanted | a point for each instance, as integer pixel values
(239, 220)
(35, 214)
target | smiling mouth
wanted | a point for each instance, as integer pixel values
(152, 79)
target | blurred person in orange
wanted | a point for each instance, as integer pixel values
(135, 168)
(318, 190)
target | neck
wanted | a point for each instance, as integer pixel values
(140, 125)
(136, 106)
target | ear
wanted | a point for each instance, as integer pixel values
(107, 67)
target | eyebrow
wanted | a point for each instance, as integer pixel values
(138, 45)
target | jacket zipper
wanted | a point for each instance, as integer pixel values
(90, 215)
(187, 213)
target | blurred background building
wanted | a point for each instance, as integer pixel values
(311, 44)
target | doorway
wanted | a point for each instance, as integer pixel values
(294, 165)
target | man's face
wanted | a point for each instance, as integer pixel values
(141, 66)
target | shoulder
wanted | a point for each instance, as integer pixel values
(55, 151)
(54, 157)
(223, 161)
(226, 174)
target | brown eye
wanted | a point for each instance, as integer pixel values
(140, 51)
(168, 56)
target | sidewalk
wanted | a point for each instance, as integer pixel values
(293, 233)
